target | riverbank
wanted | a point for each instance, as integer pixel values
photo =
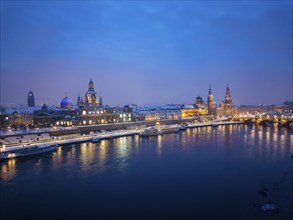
(74, 137)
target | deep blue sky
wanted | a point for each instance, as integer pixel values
(146, 52)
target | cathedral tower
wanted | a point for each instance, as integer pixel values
(91, 98)
(227, 109)
(211, 102)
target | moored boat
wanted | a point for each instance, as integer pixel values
(151, 131)
(95, 140)
(27, 150)
(183, 126)
(157, 130)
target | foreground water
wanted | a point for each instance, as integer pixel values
(203, 173)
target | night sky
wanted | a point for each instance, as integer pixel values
(146, 52)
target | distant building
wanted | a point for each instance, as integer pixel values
(91, 100)
(31, 99)
(211, 103)
(226, 108)
(198, 109)
(66, 103)
(104, 116)
(253, 109)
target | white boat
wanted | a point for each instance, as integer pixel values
(152, 131)
(166, 129)
(157, 130)
(27, 151)
(95, 140)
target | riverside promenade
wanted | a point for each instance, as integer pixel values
(73, 136)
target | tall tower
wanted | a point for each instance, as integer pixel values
(91, 100)
(31, 99)
(211, 103)
(228, 98)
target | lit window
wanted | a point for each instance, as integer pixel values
(120, 115)
(84, 122)
(114, 119)
(57, 123)
(129, 115)
(123, 119)
(124, 115)
(102, 120)
(83, 112)
(129, 119)
(90, 112)
(90, 121)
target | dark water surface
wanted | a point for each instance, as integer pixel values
(201, 173)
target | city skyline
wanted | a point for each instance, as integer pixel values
(168, 54)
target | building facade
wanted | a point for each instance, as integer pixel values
(105, 116)
(198, 109)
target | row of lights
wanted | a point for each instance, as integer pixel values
(68, 123)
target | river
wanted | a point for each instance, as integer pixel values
(200, 173)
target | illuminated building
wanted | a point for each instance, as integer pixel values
(188, 111)
(199, 108)
(226, 108)
(30, 99)
(211, 103)
(104, 116)
(91, 100)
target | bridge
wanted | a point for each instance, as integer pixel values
(285, 120)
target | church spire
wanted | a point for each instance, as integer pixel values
(101, 102)
(227, 90)
(210, 90)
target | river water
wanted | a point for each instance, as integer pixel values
(200, 173)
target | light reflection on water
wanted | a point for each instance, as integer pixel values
(8, 171)
(270, 142)
(197, 156)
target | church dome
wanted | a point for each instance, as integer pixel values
(66, 103)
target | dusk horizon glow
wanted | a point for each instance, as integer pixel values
(146, 52)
